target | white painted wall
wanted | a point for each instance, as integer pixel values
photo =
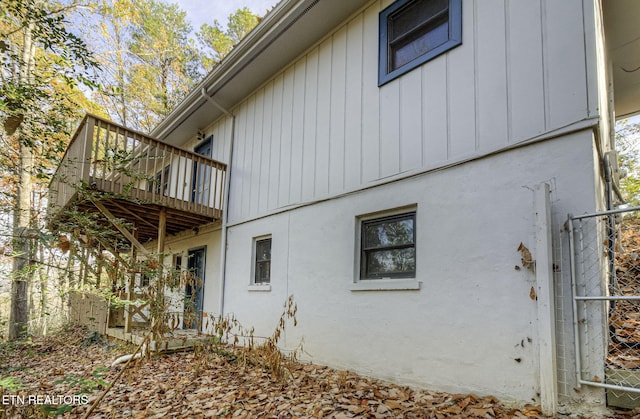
(462, 331)
(180, 244)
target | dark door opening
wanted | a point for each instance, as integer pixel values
(194, 289)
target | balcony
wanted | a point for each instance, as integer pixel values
(131, 177)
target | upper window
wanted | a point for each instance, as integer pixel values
(160, 183)
(262, 269)
(413, 32)
(388, 247)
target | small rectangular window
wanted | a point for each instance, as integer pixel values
(160, 183)
(262, 267)
(145, 279)
(413, 32)
(388, 247)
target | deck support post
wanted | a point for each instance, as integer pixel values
(128, 319)
(162, 232)
(100, 262)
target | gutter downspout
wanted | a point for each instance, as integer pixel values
(227, 183)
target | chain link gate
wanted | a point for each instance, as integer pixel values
(605, 280)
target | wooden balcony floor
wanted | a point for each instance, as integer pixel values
(146, 217)
(133, 177)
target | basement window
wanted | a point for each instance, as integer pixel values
(262, 262)
(389, 247)
(387, 252)
(413, 32)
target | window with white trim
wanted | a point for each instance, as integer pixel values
(413, 32)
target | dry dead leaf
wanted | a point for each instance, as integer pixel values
(480, 411)
(455, 409)
(393, 404)
(527, 259)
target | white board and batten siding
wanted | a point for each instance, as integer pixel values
(221, 132)
(323, 127)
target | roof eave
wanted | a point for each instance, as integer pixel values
(251, 46)
(286, 32)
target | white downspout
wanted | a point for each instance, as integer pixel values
(225, 210)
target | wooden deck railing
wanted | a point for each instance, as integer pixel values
(126, 164)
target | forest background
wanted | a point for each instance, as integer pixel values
(129, 61)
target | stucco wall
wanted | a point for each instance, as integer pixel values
(180, 244)
(473, 316)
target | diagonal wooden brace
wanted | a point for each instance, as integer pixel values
(116, 223)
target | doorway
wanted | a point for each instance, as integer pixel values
(201, 176)
(194, 288)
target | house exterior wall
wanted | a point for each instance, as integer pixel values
(464, 139)
(472, 324)
(221, 132)
(181, 174)
(323, 127)
(180, 244)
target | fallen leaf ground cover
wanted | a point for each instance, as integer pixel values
(208, 382)
(624, 316)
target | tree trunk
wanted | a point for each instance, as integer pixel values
(19, 314)
(164, 86)
(43, 276)
(22, 248)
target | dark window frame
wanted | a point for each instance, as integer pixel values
(145, 279)
(198, 175)
(259, 262)
(366, 251)
(160, 182)
(385, 71)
